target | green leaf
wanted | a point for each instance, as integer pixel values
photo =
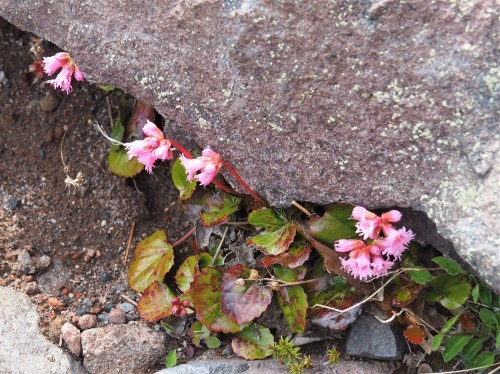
(497, 339)
(450, 323)
(487, 317)
(275, 242)
(254, 342)
(335, 224)
(436, 341)
(155, 303)
(187, 271)
(117, 133)
(475, 293)
(213, 342)
(198, 332)
(454, 345)
(243, 302)
(106, 88)
(485, 295)
(218, 208)
(450, 266)
(179, 177)
(484, 359)
(120, 165)
(293, 303)
(153, 258)
(269, 219)
(450, 291)
(289, 275)
(206, 298)
(472, 348)
(171, 359)
(419, 276)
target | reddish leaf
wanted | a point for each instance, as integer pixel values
(155, 303)
(406, 294)
(467, 321)
(414, 334)
(218, 208)
(206, 298)
(254, 342)
(331, 319)
(153, 258)
(293, 303)
(269, 219)
(295, 257)
(243, 303)
(274, 242)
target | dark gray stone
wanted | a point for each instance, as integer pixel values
(12, 203)
(370, 338)
(378, 103)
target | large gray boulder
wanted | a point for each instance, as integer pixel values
(380, 103)
(23, 349)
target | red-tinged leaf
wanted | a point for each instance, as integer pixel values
(331, 319)
(218, 208)
(198, 332)
(253, 343)
(189, 269)
(335, 224)
(406, 295)
(414, 334)
(467, 321)
(153, 258)
(293, 303)
(295, 257)
(290, 275)
(269, 219)
(206, 298)
(274, 242)
(243, 303)
(155, 303)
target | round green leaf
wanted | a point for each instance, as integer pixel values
(155, 303)
(487, 317)
(171, 359)
(274, 242)
(153, 258)
(335, 224)
(206, 298)
(450, 266)
(179, 177)
(254, 342)
(213, 342)
(450, 291)
(420, 276)
(120, 165)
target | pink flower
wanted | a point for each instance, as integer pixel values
(63, 61)
(153, 147)
(370, 225)
(208, 163)
(396, 242)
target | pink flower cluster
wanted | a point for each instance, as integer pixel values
(63, 61)
(376, 256)
(208, 163)
(153, 147)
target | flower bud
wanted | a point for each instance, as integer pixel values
(176, 309)
(275, 286)
(182, 313)
(175, 301)
(254, 274)
(185, 303)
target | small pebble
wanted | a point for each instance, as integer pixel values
(32, 289)
(82, 310)
(71, 336)
(12, 203)
(48, 103)
(103, 318)
(126, 307)
(117, 316)
(87, 321)
(104, 276)
(41, 154)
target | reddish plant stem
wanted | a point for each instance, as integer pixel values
(181, 148)
(181, 240)
(242, 182)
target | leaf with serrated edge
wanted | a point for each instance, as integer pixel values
(335, 224)
(292, 301)
(414, 334)
(295, 257)
(153, 258)
(155, 303)
(275, 242)
(253, 343)
(243, 303)
(206, 298)
(179, 177)
(120, 164)
(218, 208)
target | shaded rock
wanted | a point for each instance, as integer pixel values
(126, 307)
(23, 348)
(236, 366)
(42, 262)
(25, 263)
(12, 203)
(48, 103)
(370, 338)
(55, 278)
(131, 348)
(87, 321)
(117, 316)
(32, 289)
(71, 336)
(326, 96)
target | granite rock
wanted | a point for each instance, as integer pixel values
(71, 336)
(378, 103)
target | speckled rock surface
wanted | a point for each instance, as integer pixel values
(23, 348)
(131, 348)
(380, 103)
